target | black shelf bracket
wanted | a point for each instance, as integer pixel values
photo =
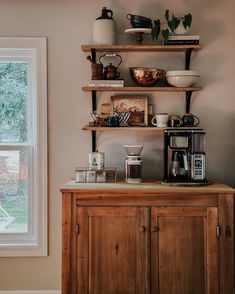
(94, 103)
(94, 96)
(93, 133)
(93, 137)
(93, 55)
(188, 54)
(188, 58)
(188, 100)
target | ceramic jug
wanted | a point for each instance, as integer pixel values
(104, 28)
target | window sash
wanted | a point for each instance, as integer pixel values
(32, 51)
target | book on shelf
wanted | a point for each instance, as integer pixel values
(106, 83)
(182, 40)
(184, 37)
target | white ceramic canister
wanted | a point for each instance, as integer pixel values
(104, 28)
(96, 160)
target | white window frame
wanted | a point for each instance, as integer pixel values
(32, 50)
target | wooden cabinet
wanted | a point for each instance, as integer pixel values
(184, 251)
(116, 249)
(147, 238)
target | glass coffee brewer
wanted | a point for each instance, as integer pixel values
(133, 163)
(184, 155)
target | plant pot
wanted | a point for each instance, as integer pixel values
(180, 30)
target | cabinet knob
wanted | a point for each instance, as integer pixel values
(141, 229)
(154, 229)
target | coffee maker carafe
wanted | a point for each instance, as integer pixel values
(184, 155)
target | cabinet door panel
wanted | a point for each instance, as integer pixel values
(183, 251)
(117, 252)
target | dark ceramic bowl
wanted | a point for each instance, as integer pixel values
(137, 17)
(146, 77)
(141, 24)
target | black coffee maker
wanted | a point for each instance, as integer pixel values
(184, 155)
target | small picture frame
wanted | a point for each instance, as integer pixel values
(131, 110)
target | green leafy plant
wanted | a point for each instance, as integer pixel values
(172, 22)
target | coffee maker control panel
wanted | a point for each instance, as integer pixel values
(198, 167)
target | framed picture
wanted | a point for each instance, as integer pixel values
(131, 110)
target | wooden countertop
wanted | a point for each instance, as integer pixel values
(151, 187)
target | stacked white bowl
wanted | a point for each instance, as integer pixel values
(182, 78)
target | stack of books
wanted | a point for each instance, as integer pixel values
(107, 83)
(182, 40)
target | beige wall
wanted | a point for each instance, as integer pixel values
(68, 24)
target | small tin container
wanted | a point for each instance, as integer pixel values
(90, 176)
(80, 176)
(100, 176)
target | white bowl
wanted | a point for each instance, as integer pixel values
(182, 81)
(182, 78)
(171, 73)
(133, 150)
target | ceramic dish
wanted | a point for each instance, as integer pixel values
(171, 73)
(182, 78)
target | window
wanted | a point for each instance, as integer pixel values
(23, 147)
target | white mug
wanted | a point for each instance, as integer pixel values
(160, 120)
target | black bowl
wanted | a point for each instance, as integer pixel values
(141, 24)
(137, 17)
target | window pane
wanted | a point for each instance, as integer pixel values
(13, 191)
(13, 102)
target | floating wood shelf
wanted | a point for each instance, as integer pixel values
(141, 89)
(140, 48)
(104, 129)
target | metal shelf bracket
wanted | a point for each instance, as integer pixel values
(188, 101)
(188, 53)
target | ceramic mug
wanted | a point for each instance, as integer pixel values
(175, 121)
(190, 120)
(112, 121)
(160, 120)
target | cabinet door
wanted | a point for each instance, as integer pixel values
(112, 250)
(184, 251)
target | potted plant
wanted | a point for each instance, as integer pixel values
(176, 25)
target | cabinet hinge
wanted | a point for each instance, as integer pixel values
(218, 231)
(77, 229)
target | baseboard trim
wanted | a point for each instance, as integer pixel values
(30, 292)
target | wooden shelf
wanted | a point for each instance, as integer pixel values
(103, 129)
(158, 130)
(141, 89)
(140, 48)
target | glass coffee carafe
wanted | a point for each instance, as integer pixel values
(179, 165)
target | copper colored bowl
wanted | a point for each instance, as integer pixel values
(145, 77)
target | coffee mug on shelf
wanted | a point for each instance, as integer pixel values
(190, 120)
(175, 121)
(112, 121)
(160, 120)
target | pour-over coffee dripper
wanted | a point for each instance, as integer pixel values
(133, 163)
(133, 150)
